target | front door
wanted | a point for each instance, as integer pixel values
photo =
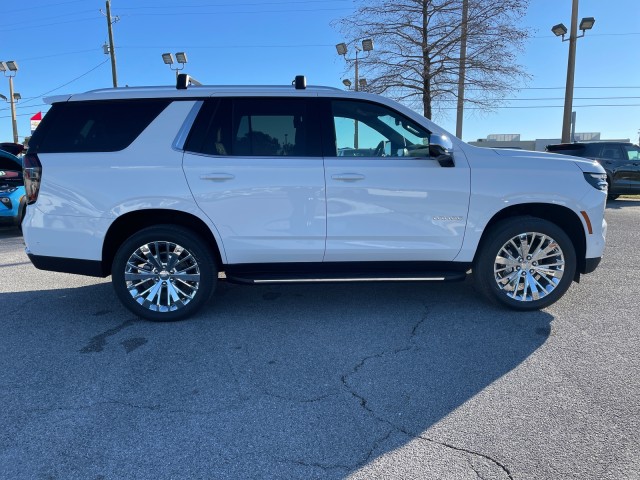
(388, 198)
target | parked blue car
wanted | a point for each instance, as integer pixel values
(12, 194)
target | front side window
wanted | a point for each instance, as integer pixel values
(612, 152)
(364, 129)
(633, 152)
(250, 127)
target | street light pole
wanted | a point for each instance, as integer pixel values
(571, 70)
(12, 100)
(560, 30)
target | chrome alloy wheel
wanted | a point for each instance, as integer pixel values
(529, 266)
(162, 276)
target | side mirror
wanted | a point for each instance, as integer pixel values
(441, 148)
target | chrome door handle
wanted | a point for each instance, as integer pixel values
(348, 177)
(217, 177)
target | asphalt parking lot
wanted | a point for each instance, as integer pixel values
(406, 381)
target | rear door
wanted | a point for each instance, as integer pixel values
(632, 155)
(255, 168)
(387, 198)
(615, 159)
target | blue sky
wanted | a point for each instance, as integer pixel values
(58, 47)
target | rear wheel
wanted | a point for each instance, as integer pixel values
(525, 263)
(164, 273)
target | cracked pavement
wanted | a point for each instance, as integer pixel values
(394, 381)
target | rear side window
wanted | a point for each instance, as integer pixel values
(592, 150)
(100, 126)
(256, 127)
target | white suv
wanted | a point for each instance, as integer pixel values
(165, 188)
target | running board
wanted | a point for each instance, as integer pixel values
(271, 278)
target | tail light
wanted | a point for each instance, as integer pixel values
(32, 169)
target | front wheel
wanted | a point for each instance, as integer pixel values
(525, 263)
(164, 273)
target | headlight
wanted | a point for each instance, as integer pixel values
(597, 180)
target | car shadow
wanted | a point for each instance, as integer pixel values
(282, 382)
(10, 232)
(623, 202)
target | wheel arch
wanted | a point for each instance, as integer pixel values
(126, 225)
(563, 217)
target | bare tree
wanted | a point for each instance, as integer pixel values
(417, 49)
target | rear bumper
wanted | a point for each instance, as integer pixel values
(91, 268)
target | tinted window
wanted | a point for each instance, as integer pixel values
(256, 127)
(105, 126)
(568, 149)
(612, 152)
(10, 169)
(633, 152)
(8, 162)
(593, 150)
(364, 129)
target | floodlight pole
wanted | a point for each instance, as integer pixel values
(571, 70)
(367, 46)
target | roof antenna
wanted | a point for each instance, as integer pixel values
(300, 82)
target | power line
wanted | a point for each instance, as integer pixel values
(24, 26)
(40, 7)
(215, 5)
(58, 54)
(67, 83)
(621, 34)
(562, 98)
(543, 106)
(289, 10)
(222, 46)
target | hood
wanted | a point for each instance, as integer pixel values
(586, 165)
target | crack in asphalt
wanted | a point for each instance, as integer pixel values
(300, 400)
(470, 452)
(97, 343)
(363, 403)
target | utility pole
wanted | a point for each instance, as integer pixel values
(462, 68)
(112, 49)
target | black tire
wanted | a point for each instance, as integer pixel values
(542, 277)
(611, 196)
(171, 293)
(22, 211)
